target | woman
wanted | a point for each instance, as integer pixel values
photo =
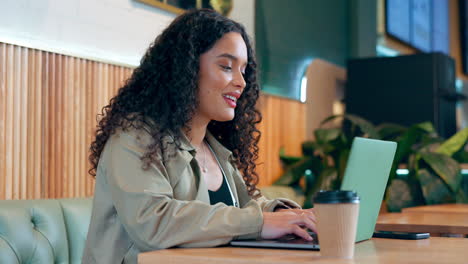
(175, 149)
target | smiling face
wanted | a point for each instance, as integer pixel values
(221, 81)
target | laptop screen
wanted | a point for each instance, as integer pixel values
(367, 171)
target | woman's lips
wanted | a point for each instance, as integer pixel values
(230, 101)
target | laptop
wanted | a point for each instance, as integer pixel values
(367, 172)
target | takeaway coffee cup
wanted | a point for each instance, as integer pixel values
(337, 215)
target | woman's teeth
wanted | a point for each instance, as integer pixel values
(230, 97)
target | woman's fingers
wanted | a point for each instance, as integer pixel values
(313, 219)
(309, 213)
(277, 224)
(301, 233)
(304, 220)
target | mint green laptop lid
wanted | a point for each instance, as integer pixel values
(367, 173)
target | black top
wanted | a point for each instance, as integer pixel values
(222, 195)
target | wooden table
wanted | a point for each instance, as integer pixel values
(438, 208)
(434, 223)
(433, 250)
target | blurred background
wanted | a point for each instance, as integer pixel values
(394, 69)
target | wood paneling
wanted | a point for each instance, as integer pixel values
(48, 108)
(283, 125)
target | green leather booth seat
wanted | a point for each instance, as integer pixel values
(43, 231)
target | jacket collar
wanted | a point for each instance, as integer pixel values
(169, 139)
(221, 152)
(185, 143)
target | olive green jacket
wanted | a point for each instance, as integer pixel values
(167, 205)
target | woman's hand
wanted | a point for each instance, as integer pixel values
(288, 221)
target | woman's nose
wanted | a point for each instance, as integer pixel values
(239, 81)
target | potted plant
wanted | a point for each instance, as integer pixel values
(433, 168)
(432, 162)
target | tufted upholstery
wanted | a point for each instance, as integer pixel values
(43, 231)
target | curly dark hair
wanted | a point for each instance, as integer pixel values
(164, 89)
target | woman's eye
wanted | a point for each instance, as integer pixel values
(226, 68)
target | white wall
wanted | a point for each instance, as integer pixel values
(114, 31)
(243, 11)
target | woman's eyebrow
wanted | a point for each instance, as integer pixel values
(229, 56)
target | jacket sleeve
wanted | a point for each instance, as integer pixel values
(264, 203)
(272, 205)
(152, 217)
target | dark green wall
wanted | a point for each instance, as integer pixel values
(291, 33)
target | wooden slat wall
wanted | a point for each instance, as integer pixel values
(283, 125)
(48, 107)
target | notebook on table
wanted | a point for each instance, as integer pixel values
(366, 173)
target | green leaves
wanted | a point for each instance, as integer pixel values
(407, 143)
(390, 131)
(366, 127)
(288, 160)
(325, 181)
(454, 143)
(294, 172)
(410, 139)
(447, 168)
(426, 126)
(400, 195)
(308, 148)
(326, 135)
(434, 174)
(434, 189)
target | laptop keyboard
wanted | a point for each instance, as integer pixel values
(293, 239)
